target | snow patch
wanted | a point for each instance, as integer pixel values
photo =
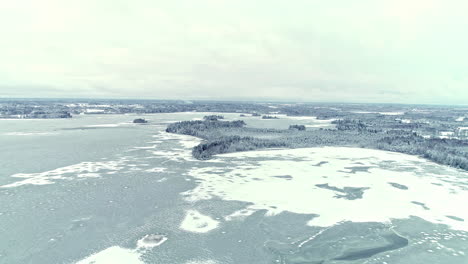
(119, 255)
(202, 262)
(29, 133)
(196, 222)
(352, 186)
(80, 170)
(114, 255)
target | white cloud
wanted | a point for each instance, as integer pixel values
(310, 50)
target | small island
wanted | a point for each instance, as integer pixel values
(297, 127)
(140, 121)
(269, 117)
(213, 117)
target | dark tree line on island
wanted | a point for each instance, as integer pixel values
(199, 128)
(269, 117)
(232, 136)
(449, 152)
(209, 128)
(213, 117)
(402, 138)
(297, 127)
(230, 144)
(140, 121)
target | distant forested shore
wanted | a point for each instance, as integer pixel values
(438, 133)
(233, 136)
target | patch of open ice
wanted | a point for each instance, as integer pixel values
(381, 113)
(392, 113)
(319, 125)
(352, 186)
(33, 133)
(114, 255)
(209, 261)
(119, 255)
(196, 222)
(240, 214)
(186, 142)
(151, 241)
(89, 175)
(20, 118)
(282, 116)
(147, 147)
(157, 169)
(177, 154)
(82, 170)
(105, 125)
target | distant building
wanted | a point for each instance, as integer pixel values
(458, 133)
(446, 134)
(462, 132)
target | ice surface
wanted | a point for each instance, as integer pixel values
(441, 189)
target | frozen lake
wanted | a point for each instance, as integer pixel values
(99, 189)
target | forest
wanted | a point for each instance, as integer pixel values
(232, 136)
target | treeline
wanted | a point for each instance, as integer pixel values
(349, 124)
(449, 152)
(196, 128)
(213, 117)
(269, 117)
(231, 144)
(233, 136)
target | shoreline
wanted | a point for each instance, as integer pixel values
(219, 137)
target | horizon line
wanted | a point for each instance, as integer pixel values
(252, 100)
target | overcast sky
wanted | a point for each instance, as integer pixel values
(406, 51)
